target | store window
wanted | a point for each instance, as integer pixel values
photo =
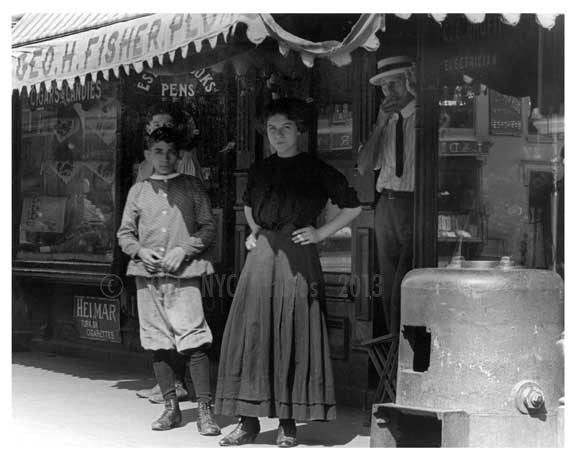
(457, 110)
(197, 101)
(460, 212)
(334, 145)
(500, 185)
(67, 173)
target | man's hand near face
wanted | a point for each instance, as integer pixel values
(398, 92)
(383, 115)
(387, 108)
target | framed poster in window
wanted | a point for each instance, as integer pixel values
(505, 114)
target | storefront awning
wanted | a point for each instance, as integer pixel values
(36, 27)
(545, 20)
(119, 45)
(60, 47)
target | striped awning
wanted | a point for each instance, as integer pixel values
(36, 27)
(127, 43)
(53, 48)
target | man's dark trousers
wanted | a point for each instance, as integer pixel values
(393, 227)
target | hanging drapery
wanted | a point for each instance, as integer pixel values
(362, 34)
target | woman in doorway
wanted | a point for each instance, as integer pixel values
(275, 358)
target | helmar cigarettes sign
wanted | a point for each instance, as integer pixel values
(97, 318)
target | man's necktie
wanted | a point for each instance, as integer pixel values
(399, 145)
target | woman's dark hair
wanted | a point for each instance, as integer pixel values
(168, 135)
(294, 109)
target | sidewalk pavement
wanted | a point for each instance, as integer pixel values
(61, 401)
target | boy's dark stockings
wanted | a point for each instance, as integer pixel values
(199, 366)
(164, 372)
(198, 363)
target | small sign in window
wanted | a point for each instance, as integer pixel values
(505, 115)
(97, 319)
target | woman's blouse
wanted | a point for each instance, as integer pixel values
(294, 190)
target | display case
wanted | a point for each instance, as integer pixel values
(67, 174)
(462, 155)
(461, 217)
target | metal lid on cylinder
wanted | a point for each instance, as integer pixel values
(480, 336)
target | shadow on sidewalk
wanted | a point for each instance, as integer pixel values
(323, 434)
(344, 429)
(326, 434)
(125, 378)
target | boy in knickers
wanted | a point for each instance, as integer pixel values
(166, 227)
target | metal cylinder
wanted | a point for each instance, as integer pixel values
(475, 333)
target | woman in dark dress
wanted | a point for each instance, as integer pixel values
(275, 358)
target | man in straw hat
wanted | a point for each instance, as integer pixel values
(390, 149)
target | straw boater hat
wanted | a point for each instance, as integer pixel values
(389, 67)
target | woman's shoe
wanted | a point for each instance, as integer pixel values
(245, 432)
(286, 433)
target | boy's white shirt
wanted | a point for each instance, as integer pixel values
(164, 177)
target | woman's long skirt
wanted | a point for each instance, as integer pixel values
(275, 357)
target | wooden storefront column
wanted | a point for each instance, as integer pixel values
(426, 161)
(364, 109)
(16, 152)
(245, 156)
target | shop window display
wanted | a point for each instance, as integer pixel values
(499, 185)
(460, 212)
(457, 110)
(198, 103)
(67, 173)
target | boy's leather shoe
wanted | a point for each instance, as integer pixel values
(170, 418)
(206, 424)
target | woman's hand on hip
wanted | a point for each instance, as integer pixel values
(306, 235)
(250, 242)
